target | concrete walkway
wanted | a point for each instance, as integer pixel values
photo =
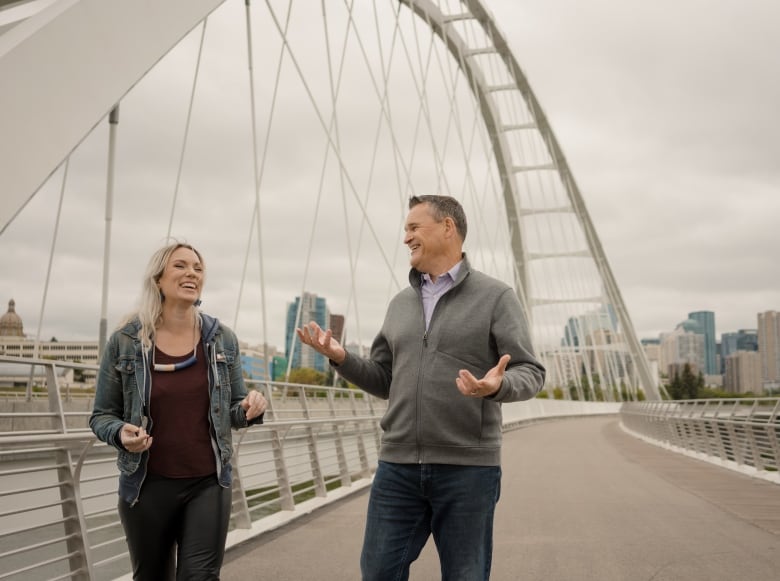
(581, 500)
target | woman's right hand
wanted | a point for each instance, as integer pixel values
(134, 438)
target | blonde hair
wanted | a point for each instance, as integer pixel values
(150, 304)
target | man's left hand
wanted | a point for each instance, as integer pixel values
(470, 386)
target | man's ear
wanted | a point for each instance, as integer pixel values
(450, 229)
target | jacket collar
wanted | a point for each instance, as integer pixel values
(209, 327)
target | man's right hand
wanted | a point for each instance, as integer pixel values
(322, 342)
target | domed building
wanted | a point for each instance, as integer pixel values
(13, 343)
(11, 323)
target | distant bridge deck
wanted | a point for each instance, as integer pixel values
(581, 500)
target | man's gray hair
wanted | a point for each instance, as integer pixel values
(444, 207)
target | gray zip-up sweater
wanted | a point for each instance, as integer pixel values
(428, 420)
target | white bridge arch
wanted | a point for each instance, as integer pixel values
(474, 129)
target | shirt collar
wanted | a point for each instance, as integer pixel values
(452, 273)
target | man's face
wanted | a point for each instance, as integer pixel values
(425, 238)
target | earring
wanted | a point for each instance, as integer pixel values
(198, 302)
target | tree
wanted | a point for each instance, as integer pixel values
(690, 383)
(686, 385)
(307, 376)
(674, 389)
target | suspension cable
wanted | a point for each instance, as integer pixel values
(187, 128)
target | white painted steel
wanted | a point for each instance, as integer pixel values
(740, 434)
(64, 68)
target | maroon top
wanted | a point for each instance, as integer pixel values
(181, 446)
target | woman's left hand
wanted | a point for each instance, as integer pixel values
(254, 404)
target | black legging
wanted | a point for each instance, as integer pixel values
(177, 529)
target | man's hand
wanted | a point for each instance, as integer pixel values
(470, 386)
(322, 342)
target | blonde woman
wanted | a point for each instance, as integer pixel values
(170, 389)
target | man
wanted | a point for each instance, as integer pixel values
(454, 345)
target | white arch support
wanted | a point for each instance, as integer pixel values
(64, 68)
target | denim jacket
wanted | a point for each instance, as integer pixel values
(125, 375)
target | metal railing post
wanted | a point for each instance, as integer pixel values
(68, 477)
(239, 507)
(341, 455)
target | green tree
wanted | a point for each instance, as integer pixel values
(690, 383)
(307, 376)
(674, 388)
(686, 385)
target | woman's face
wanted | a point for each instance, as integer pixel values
(182, 277)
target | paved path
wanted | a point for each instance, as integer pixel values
(581, 500)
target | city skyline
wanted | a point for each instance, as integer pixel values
(291, 307)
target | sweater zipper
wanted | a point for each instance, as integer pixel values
(419, 398)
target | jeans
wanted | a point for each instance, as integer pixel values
(408, 502)
(178, 528)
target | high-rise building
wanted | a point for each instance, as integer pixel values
(706, 320)
(742, 340)
(336, 324)
(743, 372)
(769, 349)
(300, 312)
(681, 346)
(578, 328)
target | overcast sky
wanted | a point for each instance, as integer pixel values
(667, 114)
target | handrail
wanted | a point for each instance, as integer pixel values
(741, 434)
(71, 529)
(318, 444)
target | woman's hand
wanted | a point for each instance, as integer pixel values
(135, 438)
(254, 404)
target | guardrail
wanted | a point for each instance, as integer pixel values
(58, 517)
(58, 499)
(741, 434)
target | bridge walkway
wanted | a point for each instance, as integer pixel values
(581, 500)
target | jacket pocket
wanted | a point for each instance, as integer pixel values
(126, 367)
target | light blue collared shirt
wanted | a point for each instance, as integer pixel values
(431, 291)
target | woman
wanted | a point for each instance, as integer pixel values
(170, 389)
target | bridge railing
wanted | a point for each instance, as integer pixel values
(58, 484)
(58, 517)
(742, 434)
